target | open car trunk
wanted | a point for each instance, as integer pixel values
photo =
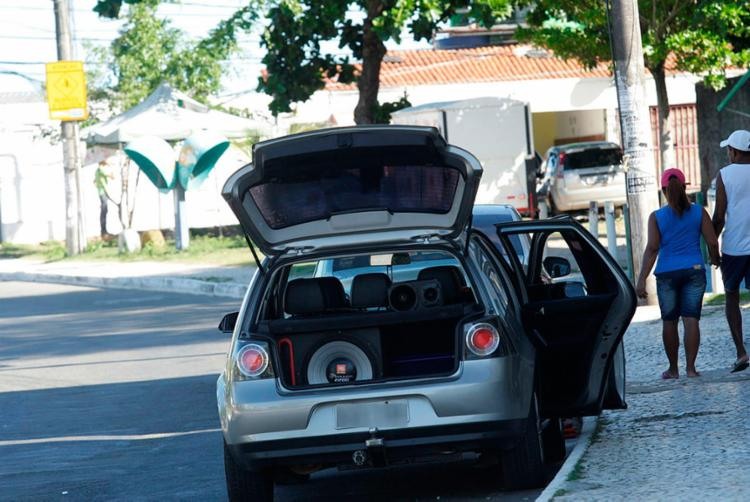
(361, 327)
(367, 347)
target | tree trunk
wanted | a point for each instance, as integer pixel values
(667, 155)
(368, 82)
(103, 210)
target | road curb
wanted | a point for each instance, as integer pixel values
(582, 444)
(166, 284)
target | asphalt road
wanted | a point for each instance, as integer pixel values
(108, 394)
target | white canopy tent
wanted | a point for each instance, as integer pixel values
(171, 115)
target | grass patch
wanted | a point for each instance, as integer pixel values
(8, 250)
(50, 251)
(577, 472)
(204, 249)
(601, 423)
(720, 299)
(560, 493)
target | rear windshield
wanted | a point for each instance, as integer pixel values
(398, 267)
(304, 195)
(594, 157)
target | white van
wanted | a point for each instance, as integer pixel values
(498, 132)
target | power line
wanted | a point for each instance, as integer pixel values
(33, 37)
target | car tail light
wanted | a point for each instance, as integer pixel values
(482, 339)
(561, 165)
(252, 360)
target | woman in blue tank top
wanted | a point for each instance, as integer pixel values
(674, 234)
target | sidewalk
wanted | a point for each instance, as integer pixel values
(678, 440)
(149, 275)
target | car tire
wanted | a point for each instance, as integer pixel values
(244, 485)
(553, 441)
(523, 465)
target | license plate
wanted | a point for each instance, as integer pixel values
(596, 180)
(373, 414)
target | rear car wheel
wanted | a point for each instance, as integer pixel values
(245, 485)
(523, 465)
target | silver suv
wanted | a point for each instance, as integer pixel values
(381, 328)
(575, 174)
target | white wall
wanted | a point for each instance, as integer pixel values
(31, 176)
(576, 124)
(551, 95)
(32, 194)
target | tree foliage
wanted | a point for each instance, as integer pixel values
(704, 36)
(297, 61)
(149, 51)
(297, 64)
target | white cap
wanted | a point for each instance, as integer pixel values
(739, 140)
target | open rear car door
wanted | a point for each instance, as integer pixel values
(576, 305)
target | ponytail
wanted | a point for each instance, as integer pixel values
(676, 196)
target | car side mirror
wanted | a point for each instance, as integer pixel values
(227, 323)
(556, 266)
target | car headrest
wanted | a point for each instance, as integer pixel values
(450, 278)
(370, 290)
(303, 296)
(314, 296)
(334, 296)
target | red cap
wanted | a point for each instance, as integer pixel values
(669, 173)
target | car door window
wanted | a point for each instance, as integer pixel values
(495, 281)
(576, 303)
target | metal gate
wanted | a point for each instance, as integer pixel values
(684, 127)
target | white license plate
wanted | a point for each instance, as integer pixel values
(372, 414)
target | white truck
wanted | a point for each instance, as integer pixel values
(498, 132)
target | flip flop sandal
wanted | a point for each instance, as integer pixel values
(666, 375)
(740, 365)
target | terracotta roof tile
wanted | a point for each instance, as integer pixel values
(475, 65)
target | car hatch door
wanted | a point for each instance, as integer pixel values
(354, 186)
(577, 299)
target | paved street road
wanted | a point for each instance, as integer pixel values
(109, 395)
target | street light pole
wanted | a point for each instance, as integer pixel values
(73, 232)
(635, 127)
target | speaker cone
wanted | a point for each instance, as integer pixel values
(403, 297)
(338, 362)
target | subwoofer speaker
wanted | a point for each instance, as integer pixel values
(338, 362)
(415, 295)
(338, 357)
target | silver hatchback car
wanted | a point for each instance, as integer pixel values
(575, 174)
(381, 328)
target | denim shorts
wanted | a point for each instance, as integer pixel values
(680, 293)
(733, 270)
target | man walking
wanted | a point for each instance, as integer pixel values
(733, 211)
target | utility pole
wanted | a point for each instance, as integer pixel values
(74, 234)
(635, 127)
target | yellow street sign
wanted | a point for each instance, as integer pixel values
(66, 91)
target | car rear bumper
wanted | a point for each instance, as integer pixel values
(486, 400)
(389, 446)
(574, 200)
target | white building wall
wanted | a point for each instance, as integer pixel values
(32, 192)
(577, 124)
(552, 95)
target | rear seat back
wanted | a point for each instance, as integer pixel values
(314, 296)
(370, 290)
